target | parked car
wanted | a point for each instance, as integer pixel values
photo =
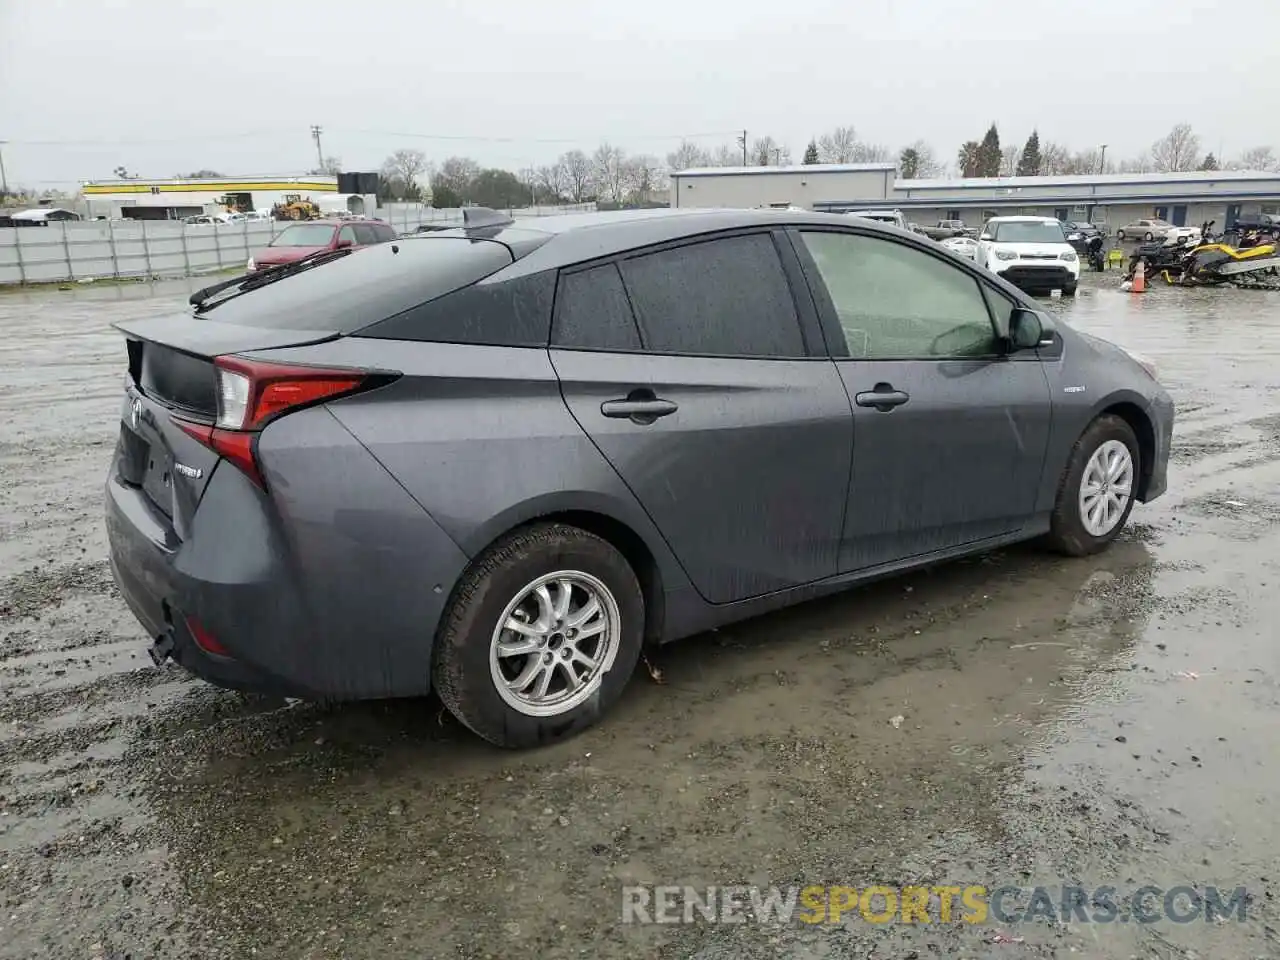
(1268, 223)
(1082, 228)
(965, 246)
(497, 460)
(301, 240)
(1145, 230)
(949, 228)
(892, 217)
(1030, 252)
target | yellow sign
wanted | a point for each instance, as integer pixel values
(206, 186)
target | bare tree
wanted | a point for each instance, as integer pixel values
(1054, 159)
(407, 166)
(454, 179)
(1256, 158)
(872, 153)
(687, 156)
(609, 168)
(1177, 151)
(726, 156)
(1142, 163)
(767, 152)
(552, 181)
(577, 174)
(643, 174)
(1087, 163)
(1009, 160)
(838, 146)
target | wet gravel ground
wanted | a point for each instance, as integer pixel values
(1109, 721)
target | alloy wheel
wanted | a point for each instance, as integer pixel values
(554, 643)
(1106, 488)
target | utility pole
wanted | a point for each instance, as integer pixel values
(743, 140)
(315, 135)
(4, 180)
(1102, 162)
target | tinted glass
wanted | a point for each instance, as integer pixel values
(726, 297)
(896, 302)
(510, 313)
(593, 313)
(365, 286)
(365, 233)
(347, 235)
(304, 235)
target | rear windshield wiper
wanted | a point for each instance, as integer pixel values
(204, 299)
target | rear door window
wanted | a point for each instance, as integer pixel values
(724, 297)
(347, 235)
(593, 313)
(365, 234)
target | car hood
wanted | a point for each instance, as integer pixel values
(272, 255)
(1035, 250)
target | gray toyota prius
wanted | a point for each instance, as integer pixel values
(498, 460)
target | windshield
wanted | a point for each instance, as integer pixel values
(1028, 232)
(304, 235)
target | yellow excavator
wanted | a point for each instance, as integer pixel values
(295, 208)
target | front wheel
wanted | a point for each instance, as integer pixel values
(1069, 290)
(1149, 236)
(1095, 494)
(540, 637)
(1120, 235)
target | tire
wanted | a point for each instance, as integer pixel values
(1068, 533)
(1149, 236)
(1070, 289)
(1120, 235)
(466, 669)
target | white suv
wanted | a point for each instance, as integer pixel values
(1029, 252)
(893, 218)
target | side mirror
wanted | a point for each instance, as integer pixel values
(985, 236)
(343, 243)
(1025, 329)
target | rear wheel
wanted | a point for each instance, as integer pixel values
(1149, 236)
(1120, 235)
(540, 637)
(1095, 494)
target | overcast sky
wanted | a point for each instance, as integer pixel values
(171, 86)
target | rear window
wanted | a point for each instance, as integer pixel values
(304, 235)
(366, 286)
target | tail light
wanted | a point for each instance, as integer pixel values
(251, 394)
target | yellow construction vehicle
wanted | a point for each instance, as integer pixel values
(295, 208)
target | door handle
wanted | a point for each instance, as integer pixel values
(640, 406)
(883, 398)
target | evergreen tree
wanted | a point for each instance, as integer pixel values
(1029, 164)
(968, 157)
(811, 152)
(1210, 162)
(989, 155)
(909, 163)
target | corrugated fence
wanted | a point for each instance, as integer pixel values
(107, 249)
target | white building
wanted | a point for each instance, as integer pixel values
(1111, 199)
(175, 198)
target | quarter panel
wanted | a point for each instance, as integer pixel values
(481, 438)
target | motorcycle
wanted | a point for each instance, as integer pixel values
(1165, 258)
(1094, 254)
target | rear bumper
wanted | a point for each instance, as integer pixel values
(309, 597)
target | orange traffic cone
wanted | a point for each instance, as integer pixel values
(1140, 277)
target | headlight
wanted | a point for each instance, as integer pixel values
(1006, 255)
(1074, 236)
(1069, 256)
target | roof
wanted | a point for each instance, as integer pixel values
(808, 168)
(41, 213)
(1022, 220)
(545, 243)
(1088, 180)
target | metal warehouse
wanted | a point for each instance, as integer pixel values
(175, 198)
(1110, 199)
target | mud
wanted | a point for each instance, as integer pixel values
(1109, 721)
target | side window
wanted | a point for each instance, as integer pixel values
(593, 313)
(898, 303)
(384, 232)
(347, 235)
(365, 233)
(726, 297)
(1002, 306)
